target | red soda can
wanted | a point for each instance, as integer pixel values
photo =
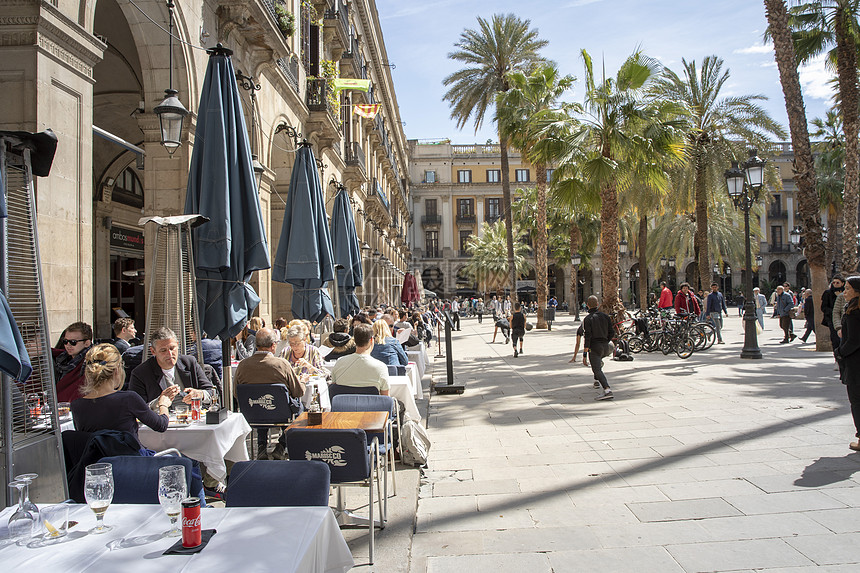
(195, 409)
(191, 526)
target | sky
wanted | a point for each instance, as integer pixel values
(420, 35)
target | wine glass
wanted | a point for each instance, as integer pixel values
(29, 505)
(98, 491)
(22, 521)
(171, 491)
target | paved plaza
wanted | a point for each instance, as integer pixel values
(705, 464)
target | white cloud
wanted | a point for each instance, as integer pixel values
(814, 78)
(755, 49)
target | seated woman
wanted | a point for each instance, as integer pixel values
(105, 407)
(386, 348)
(305, 359)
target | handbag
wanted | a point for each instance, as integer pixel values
(529, 325)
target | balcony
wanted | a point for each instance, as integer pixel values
(431, 220)
(355, 58)
(466, 219)
(779, 248)
(463, 254)
(492, 149)
(290, 67)
(493, 218)
(355, 160)
(431, 254)
(777, 214)
(376, 191)
(337, 19)
(324, 120)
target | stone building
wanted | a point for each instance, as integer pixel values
(94, 70)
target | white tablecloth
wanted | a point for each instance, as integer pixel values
(210, 444)
(412, 372)
(289, 539)
(417, 356)
(400, 387)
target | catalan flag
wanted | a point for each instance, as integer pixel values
(367, 110)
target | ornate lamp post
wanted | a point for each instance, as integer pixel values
(744, 186)
(171, 113)
(575, 260)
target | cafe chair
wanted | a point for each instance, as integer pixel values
(396, 370)
(351, 463)
(337, 389)
(278, 483)
(371, 403)
(266, 406)
(81, 449)
(136, 477)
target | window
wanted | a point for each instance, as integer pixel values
(429, 177)
(776, 236)
(464, 176)
(776, 206)
(464, 242)
(431, 244)
(465, 207)
(549, 173)
(430, 207)
(494, 209)
(522, 175)
(128, 190)
(494, 175)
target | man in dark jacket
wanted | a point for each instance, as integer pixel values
(784, 303)
(597, 327)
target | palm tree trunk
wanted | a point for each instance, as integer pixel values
(609, 249)
(846, 68)
(703, 259)
(541, 245)
(575, 242)
(643, 262)
(509, 221)
(804, 167)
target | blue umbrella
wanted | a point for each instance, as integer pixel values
(304, 258)
(221, 186)
(344, 238)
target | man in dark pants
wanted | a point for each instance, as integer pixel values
(784, 304)
(828, 300)
(598, 332)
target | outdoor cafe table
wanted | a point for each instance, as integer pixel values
(400, 387)
(419, 357)
(294, 539)
(367, 421)
(209, 444)
(412, 372)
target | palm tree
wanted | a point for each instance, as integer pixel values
(521, 114)
(718, 128)
(804, 167)
(501, 45)
(621, 128)
(830, 171)
(488, 265)
(819, 25)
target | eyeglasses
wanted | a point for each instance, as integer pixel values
(74, 342)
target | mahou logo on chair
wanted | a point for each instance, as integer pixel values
(266, 401)
(332, 456)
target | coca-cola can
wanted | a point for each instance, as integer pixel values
(191, 526)
(195, 409)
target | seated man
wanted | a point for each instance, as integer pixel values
(123, 331)
(341, 342)
(166, 369)
(69, 362)
(263, 367)
(361, 369)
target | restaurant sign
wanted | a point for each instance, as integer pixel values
(126, 239)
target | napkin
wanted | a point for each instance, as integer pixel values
(177, 549)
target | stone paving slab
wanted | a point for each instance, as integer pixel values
(707, 464)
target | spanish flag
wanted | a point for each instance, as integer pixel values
(367, 110)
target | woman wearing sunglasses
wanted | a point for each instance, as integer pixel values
(69, 362)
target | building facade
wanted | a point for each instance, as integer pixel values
(94, 70)
(456, 188)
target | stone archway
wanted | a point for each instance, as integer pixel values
(777, 273)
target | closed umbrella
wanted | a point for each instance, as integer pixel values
(221, 186)
(304, 257)
(347, 253)
(409, 294)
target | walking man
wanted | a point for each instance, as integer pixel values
(784, 304)
(518, 328)
(666, 298)
(715, 306)
(828, 301)
(455, 313)
(597, 327)
(760, 305)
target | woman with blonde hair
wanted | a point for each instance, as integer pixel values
(304, 357)
(105, 407)
(386, 348)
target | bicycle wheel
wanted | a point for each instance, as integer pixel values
(635, 344)
(684, 348)
(666, 343)
(710, 334)
(698, 337)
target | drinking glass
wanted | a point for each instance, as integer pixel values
(22, 521)
(29, 505)
(171, 491)
(34, 406)
(55, 518)
(98, 491)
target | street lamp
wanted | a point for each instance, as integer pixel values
(575, 260)
(758, 261)
(794, 236)
(622, 246)
(743, 187)
(171, 113)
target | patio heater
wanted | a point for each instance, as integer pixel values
(31, 439)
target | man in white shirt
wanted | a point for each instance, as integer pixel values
(507, 305)
(455, 314)
(361, 369)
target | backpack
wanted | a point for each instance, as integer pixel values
(414, 443)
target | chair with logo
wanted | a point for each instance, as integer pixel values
(371, 403)
(299, 483)
(266, 406)
(337, 389)
(352, 464)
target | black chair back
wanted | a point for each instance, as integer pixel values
(278, 483)
(344, 450)
(336, 389)
(267, 404)
(135, 478)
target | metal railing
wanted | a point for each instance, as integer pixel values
(779, 248)
(376, 189)
(355, 155)
(777, 214)
(463, 254)
(466, 219)
(290, 67)
(431, 219)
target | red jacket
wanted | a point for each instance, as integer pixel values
(68, 387)
(686, 303)
(665, 298)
